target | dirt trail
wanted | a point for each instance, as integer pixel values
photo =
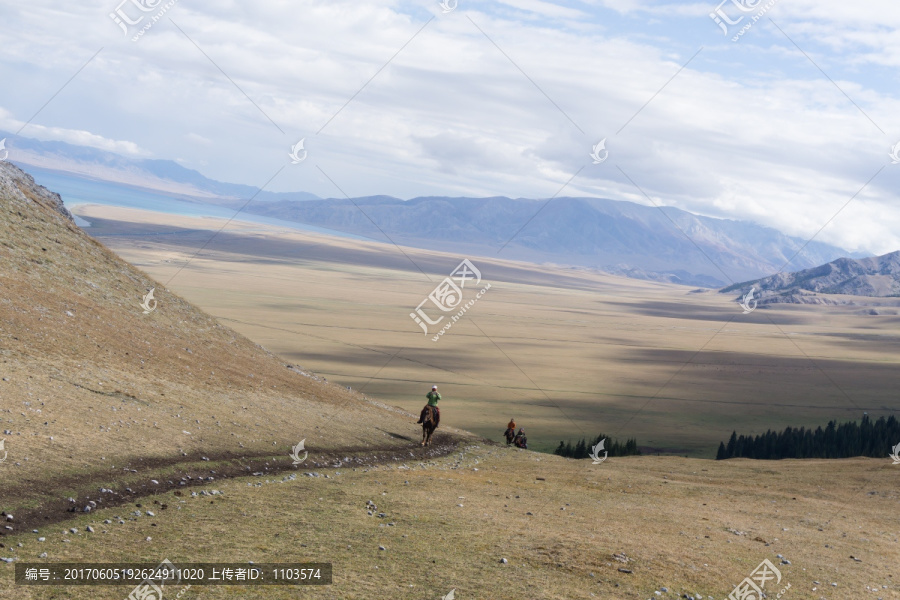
(130, 484)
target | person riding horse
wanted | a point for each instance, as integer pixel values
(433, 398)
(521, 441)
(510, 432)
(431, 416)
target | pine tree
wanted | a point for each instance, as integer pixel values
(581, 449)
(732, 445)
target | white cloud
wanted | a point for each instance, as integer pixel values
(72, 136)
(198, 139)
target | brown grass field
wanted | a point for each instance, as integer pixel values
(152, 408)
(568, 353)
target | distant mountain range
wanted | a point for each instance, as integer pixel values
(621, 237)
(663, 244)
(877, 276)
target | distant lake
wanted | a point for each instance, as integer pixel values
(77, 190)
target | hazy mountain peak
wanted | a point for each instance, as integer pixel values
(876, 276)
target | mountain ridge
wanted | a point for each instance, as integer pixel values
(873, 277)
(615, 236)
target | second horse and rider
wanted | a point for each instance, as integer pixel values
(517, 439)
(431, 415)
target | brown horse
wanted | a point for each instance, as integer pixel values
(429, 424)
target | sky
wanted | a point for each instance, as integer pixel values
(785, 112)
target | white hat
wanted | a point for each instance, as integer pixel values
(434, 387)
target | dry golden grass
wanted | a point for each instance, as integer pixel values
(112, 386)
(568, 353)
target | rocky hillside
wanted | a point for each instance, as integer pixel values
(877, 277)
(17, 185)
